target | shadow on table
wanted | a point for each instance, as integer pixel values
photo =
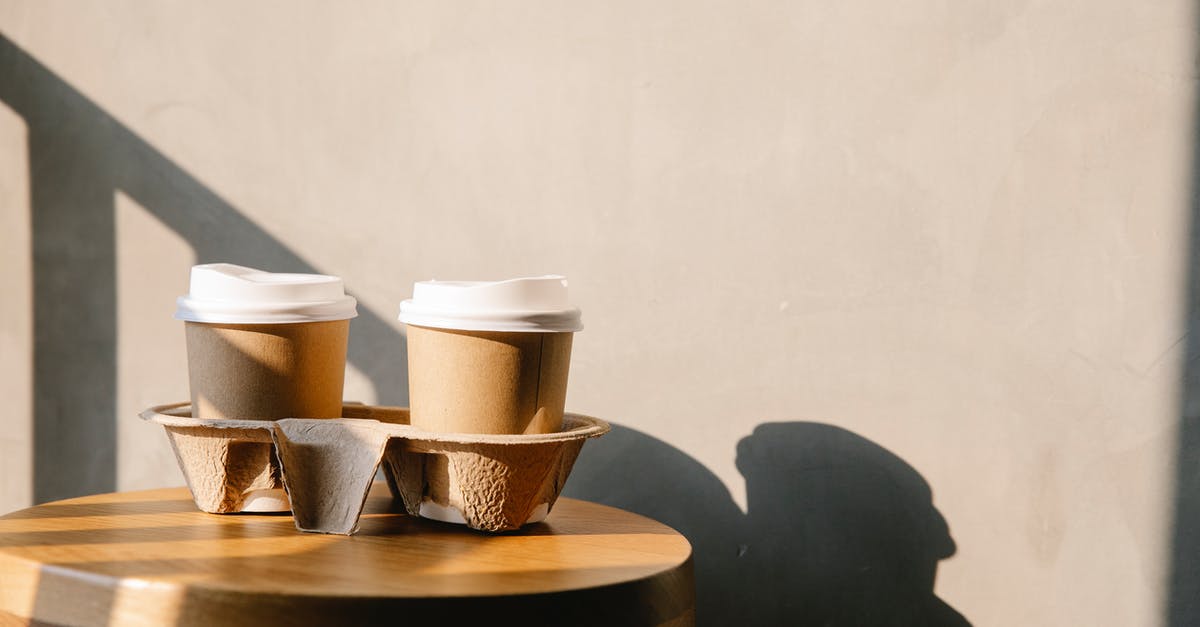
(839, 530)
(116, 508)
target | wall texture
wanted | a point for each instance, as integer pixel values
(874, 289)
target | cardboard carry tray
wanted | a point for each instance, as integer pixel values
(326, 466)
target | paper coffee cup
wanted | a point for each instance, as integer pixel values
(489, 357)
(264, 346)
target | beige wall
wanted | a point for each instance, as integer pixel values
(957, 230)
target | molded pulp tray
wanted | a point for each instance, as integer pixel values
(326, 466)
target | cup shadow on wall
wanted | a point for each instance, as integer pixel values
(839, 531)
(79, 157)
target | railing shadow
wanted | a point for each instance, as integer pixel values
(79, 156)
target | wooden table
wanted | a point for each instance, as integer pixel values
(152, 558)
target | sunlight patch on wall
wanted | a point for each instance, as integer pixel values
(153, 263)
(16, 316)
(358, 385)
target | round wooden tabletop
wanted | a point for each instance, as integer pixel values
(151, 557)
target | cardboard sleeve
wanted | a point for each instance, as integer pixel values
(497, 382)
(267, 371)
(488, 482)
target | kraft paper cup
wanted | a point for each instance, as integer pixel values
(262, 346)
(489, 357)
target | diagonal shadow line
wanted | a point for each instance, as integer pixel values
(79, 156)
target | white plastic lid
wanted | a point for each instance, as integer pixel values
(225, 293)
(533, 304)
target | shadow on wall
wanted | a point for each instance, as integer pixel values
(839, 532)
(79, 156)
(1183, 595)
(829, 538)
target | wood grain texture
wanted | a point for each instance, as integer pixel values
(151, 558)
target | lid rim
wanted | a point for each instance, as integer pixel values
(530, 321)
(192, 310)
(497, 328)
(264, 320)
